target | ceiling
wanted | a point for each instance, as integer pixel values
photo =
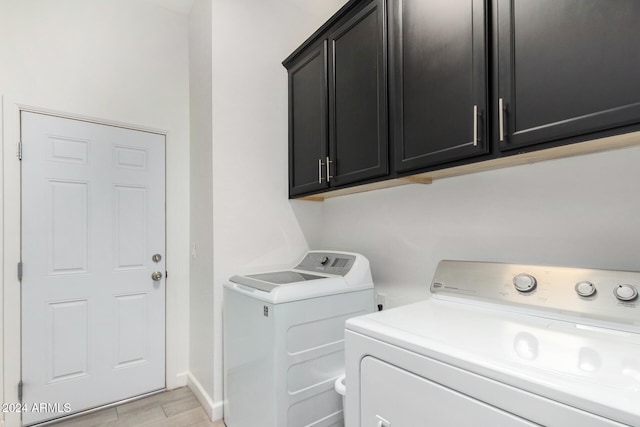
(179, 6)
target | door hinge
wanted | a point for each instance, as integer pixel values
(19, 153)
(20, 386)
(20, 271)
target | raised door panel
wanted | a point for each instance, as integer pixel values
(308, 122)
(358, 97)
(131, 330)
(566, 68)
(130, 226)
(67, 340)
(67, 216)
(438, 96)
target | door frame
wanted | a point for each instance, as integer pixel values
(11, 254)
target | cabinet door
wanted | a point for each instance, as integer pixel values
(308, 122)
(566, 68)
(358, 97)
(438, 99)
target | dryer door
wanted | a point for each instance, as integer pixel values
(392, 397)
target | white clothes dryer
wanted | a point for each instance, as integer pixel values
(501, 345)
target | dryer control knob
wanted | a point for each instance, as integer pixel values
(324, 260)
(524, 282)
(585, 289)
(625, 292)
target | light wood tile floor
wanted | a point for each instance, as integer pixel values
(175, 408)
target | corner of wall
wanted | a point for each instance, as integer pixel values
(201, 298)
(213, 409)
(182, 380)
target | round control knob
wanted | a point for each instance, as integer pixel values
(585, 289)
(524, 282)
(625, 292)
(324, 260)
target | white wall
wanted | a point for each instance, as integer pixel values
(114, 60)
(2, 252)
(580, 211)
(201, 186)
(254, 223)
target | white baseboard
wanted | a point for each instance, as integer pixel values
(213, 410)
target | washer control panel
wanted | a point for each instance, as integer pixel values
(327, 262)
(602, 295)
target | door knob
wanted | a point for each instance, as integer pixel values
(156, 276)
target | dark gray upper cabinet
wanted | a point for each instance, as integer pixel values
(565, 68)
(438, 81)
(433, 92)
(308, 121)
(338, 102)
(358, 138)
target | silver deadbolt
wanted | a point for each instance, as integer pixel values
(156, 276)
(156, 258)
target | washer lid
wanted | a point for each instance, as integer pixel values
(269, 281)
(318, 274)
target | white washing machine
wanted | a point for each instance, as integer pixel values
(284, 340)
(501, 345)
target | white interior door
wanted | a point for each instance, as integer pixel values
(93, 216)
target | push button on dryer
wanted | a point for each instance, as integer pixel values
(524, 282)
(625, 292)
(585, 289)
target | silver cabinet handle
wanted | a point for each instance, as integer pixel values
(475, 125)
(320, 164)
(329, 176)
(501, 119)
(156, 276)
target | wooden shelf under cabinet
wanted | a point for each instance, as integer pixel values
(587, 147)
